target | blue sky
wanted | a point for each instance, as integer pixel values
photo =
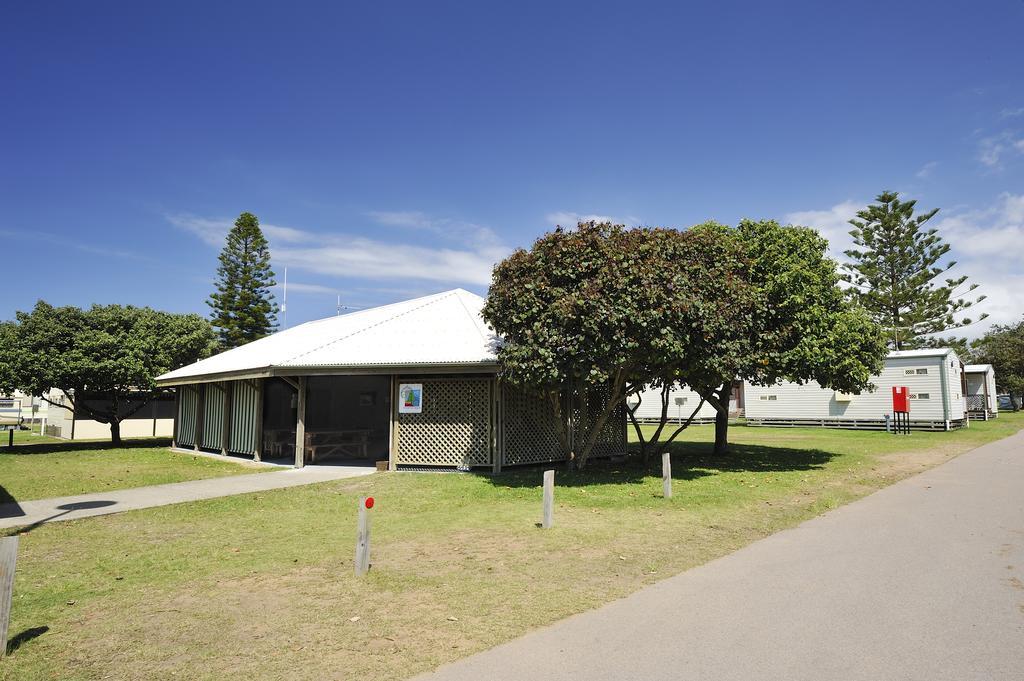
(396, 149)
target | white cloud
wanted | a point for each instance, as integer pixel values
(926, 169)
(455, 231)
(215, 230)
(306, 288)
(341, 255)
(1011, 113)
(992, 150)
(833, 223)
(570, 219)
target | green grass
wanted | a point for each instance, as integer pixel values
(22, 437)
(260, 586)
(47, 468)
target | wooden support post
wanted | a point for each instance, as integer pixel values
(300, 425)
(549, 499)
(225, 431)
(393, 420)
(666, 475)
(200, 414)
(363, 538)
(258, 452)
(177, 417)
(8, 557)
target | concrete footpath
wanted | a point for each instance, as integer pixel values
(923, 580)
(116, 501)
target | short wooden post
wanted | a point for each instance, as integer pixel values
(549, 499)
(666, 475)
(363, 536)
(8, 556)
(300, 425)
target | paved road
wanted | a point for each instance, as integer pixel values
(116, 501)
(922, 580)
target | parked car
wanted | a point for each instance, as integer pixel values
(1007, 402)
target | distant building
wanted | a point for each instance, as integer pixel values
(981, 391)
(935, 377)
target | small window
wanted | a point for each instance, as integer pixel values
(921, 396)
(908, 372)
(922, 371)
(764, 397)
(773, 397)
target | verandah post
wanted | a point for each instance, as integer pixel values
(300, 425)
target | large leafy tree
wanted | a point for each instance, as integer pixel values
(104, 359)
(1003, 348)
(803, 328)
(243, 306)
(606, 307)
(896, 269)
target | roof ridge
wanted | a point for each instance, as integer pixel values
(475, 317)
(431, 299)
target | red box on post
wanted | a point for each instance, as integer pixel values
(901, 399)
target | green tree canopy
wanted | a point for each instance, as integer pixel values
(606, 307)
(110, 354)
(802, 328)
(895, 270)
(243, 306)
(1003, 348)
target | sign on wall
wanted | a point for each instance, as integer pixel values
(410, 398)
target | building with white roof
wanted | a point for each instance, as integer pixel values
(935, 378)
(414, 383)
(981, 391)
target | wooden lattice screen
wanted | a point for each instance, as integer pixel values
(612, 439)
(454, 428)
(529, 428)
(213, 416)
(188, 401)
(244, 403)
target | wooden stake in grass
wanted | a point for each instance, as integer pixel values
(666, 475)
(363, 536)
(8, 556)
(549, 499)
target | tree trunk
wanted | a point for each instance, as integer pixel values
(722, 420)
(115, 432)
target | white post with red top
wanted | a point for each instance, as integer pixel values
(363, 536)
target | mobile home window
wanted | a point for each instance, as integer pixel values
(912, 372)
(921, 396)
(769, 397)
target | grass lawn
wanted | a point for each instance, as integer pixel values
(22, 437)
(261, 587)
(56, 468)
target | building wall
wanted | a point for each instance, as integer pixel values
(59, 424)
(650, 405)
(922, 375)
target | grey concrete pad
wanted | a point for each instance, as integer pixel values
(921, 580)
(116, 501)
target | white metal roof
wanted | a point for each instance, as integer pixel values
(978, 368)
(923, 352)
(444, 329)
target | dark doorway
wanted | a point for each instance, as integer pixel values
(348, 417)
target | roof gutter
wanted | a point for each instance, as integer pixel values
(354, 370)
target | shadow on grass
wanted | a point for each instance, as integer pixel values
(24, 637)
(72, 446)
(690, 460)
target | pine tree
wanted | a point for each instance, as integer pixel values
(895, 270)
(243, 306)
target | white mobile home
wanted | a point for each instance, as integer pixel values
(981, 391)
(935, 378)
(681, 403)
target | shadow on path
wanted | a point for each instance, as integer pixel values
(64, 510)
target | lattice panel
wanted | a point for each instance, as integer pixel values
(188, 400)
(244, 403)
(587, 406)
(454, 428)
(213, 416)
(529, 428)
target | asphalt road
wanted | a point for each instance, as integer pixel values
(922, 580)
